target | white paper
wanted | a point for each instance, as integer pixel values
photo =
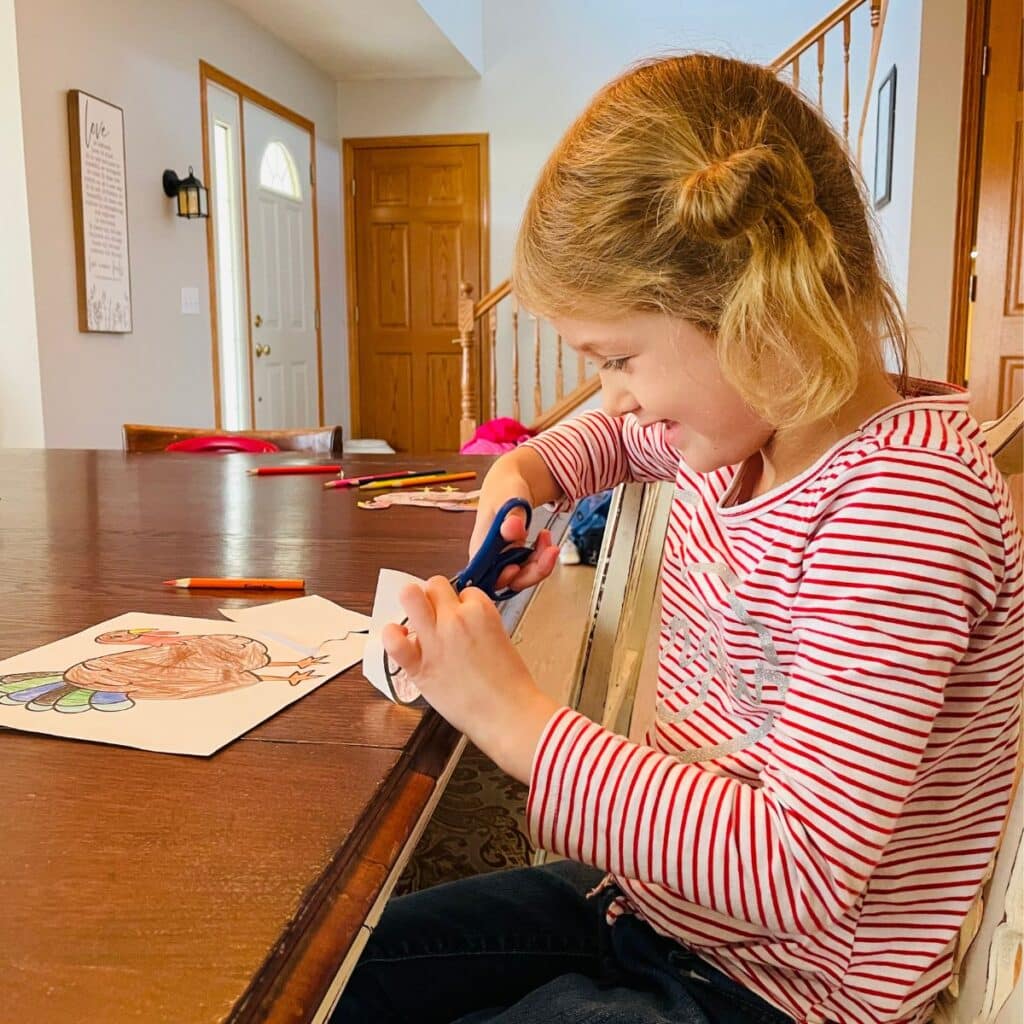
(189, 690)
(386, 608)
(311, 624)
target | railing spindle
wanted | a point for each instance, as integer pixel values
(494, 361)
(846, 78)
(467, 325)
(516, 413)
(876, 42)
(821, 72)
(538, 399)
(795, 66)
(559, 373)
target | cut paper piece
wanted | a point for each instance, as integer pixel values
(448, 500)
(164, 683)
(393, 683)
(312, 625)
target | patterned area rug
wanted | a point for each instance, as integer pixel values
(478, 826)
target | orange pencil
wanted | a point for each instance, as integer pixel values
(237, 583)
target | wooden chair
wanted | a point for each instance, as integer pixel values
(615, 684)
(139, 437)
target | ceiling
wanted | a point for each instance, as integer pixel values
(362, 38)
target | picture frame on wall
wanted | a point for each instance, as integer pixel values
(99, 203)
(885, 129)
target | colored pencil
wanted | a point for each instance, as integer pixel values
(237, 583)
(417, 481)
(358, 481)
(289, 470)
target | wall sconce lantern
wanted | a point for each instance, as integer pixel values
(190, 192)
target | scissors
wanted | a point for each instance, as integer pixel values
(483, 571)
(495, 556)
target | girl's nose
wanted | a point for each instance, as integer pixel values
(617, 401)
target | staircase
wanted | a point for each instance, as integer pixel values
(538, 385)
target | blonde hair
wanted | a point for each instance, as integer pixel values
(707, 189)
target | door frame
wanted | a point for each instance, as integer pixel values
(349, 147)
(968, 182)
(209, 73)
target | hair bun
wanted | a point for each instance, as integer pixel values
(731, 195)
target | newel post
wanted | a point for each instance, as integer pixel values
(467, 422)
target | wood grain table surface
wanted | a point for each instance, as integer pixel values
(150, 887)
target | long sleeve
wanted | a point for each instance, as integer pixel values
(595, 451)
(892, 580)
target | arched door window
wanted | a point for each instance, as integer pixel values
(278, 173)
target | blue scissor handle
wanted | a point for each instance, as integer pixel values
(492, 559)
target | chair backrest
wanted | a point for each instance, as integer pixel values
(139, 437)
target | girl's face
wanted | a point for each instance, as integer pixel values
(661, 368)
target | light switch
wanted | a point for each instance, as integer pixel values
(190, 301)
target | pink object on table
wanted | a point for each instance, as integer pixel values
(496, 436)
(223, 444)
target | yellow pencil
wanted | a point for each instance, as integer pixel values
(417, 481)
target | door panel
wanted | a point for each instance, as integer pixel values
(389, 415)
(418, 228)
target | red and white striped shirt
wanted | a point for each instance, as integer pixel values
(837, 714)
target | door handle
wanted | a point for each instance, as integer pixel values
(262, 350)
(258, 321)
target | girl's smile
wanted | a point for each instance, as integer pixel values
(663, 369)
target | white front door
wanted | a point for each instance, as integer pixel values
(281, 271)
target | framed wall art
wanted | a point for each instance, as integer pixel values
(885, 127)
(100, 208)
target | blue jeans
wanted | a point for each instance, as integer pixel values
(527, 947)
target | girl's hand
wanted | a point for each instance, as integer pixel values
(456, 651)
(500, 485)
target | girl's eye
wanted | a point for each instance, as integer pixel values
(615, 364)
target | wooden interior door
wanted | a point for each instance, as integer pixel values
(418, 227)
(995, 372)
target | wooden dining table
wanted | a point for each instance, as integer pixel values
(137, 886)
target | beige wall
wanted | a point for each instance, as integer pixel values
(143, 55)
(21, 407)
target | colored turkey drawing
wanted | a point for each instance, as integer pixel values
(178, 685)
(169, 666)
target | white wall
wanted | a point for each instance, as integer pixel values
(143, 55)
(21, 405)
(936, 176)
(925, 40)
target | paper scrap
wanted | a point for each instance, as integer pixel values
(311, 624)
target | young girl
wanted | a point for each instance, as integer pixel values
(837, 709)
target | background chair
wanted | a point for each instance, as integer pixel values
(140, 437)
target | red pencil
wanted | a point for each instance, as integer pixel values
(289, 470)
